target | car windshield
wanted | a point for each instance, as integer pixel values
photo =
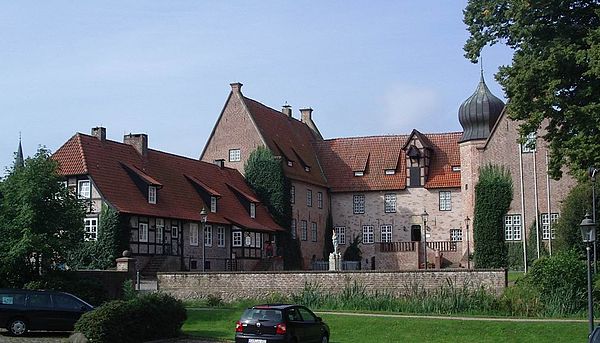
(262, 314)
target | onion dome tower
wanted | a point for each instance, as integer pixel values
(478, 114)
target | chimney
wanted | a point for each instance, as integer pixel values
(236, 87)
(220, 163)
(139, 141)
(99, 132)
(287, 110)
(306, 115)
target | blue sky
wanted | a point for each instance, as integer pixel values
(164, 67)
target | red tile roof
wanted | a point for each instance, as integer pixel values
(341, 157)
(178, 198)
(290, 138)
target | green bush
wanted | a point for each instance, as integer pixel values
(521, 299)
(144, 318)
(89, 290)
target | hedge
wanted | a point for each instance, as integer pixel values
(89, 290)
(144, 318)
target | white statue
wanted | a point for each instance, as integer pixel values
(335, 242)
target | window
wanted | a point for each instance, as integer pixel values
(293, 229)
(512, 227)
(546, 225)
(456, 235)
(307, 169)
(160, 225)
(390, 203)
(174, 231)
(39, 300)
(66, 302)
(390, 172)
(320, 199)
(368, 237)
(194, 234)
(252, 210)
(143, 232)
(293, 195)
(445, 201)
(340, 232)
(290, 163)
(307, 316)
(303, 230)
(529, 143)
(83, 189)
(236, 238)
(207, 236)
(309, 198)
(455, 168)
(235, 155)
(359, 173)
(313, 231)
(358, 204)
(152, 194)
(220, 236)
(213, 204)
(386, 233)
(91, 229)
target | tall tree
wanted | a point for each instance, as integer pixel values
(493, 195)
(40, 220)
(554, 78)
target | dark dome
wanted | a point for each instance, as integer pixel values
(478, 114)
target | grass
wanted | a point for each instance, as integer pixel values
(514, 275)
(220, 324)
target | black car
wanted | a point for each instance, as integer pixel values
(280, 323)
(22, 310)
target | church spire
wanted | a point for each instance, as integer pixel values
(19, 161)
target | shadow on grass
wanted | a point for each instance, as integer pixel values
(40, 334)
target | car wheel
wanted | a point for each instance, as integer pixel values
(325, 339)
(17, 327)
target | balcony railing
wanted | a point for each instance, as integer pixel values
(397, 246)
(442, 246)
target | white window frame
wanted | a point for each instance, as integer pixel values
(320, 199)
(293, 228)
(313, 231)
(303, 230)
(293, 195)
(340, 232)
(208, 236)
(235, 155)
(160, 230)
(194, 234)
(143, 232)
(91, 229)
(358, 203)
(390, 171)
(368, 234)
(359, 173)
(529, 145)
(213, 204)
(445, 200)
(84, 192)
(386, 233)
(220, 236)
(252, 210)
(236, 239)
(546, 225)
(389, 201)
(309, 197)
(152, 194)
(175, 231)
(512, 227)
(456, 235)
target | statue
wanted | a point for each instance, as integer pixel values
(335, 242)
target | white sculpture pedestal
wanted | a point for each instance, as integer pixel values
(335, 261)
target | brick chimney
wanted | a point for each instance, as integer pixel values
(236, 87)
(306, 118)
(99, 132)
(287, 110)
(139, 141)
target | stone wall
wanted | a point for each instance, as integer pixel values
(232, 286)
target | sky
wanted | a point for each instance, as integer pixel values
(164, 67)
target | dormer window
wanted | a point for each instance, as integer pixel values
(213, 204)
(152, 194)
(290, 163)
(252, 210)
(307, 169)
(413, 153)
(359, 173)
(455, 168)
(390, 171)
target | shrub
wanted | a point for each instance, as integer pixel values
(148, 317)
(89, 290)
(129, 291)
(521, 299)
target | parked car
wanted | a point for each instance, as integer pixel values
(280, 323)
(22, 310)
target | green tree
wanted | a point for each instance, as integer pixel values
(40, 220)
(264, 174)
(328, 244)
(572, 211)
(555, 70)
(493, 195)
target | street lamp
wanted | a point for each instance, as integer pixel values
(588, 234)
(424, 217)
(203, 218)
(467, 221)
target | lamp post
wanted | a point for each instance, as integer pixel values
(588, 234)
(424, 217)
(467, 221)
(203, 218)
(592, 172)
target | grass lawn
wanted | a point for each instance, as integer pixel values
(220, 324)
(514, 275)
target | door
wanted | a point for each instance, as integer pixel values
(68, 310)
(312, 326)
(40, 312)
(415, 233)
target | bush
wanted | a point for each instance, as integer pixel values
(144, 318)
(521, 299)
(87, 289)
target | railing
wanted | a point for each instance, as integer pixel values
(442, 246)
(320, 265)
(350, 265)
(397, 246)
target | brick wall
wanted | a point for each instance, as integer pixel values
(311, 214)
(232, 286)
(111, 280)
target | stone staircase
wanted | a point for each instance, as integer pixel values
(153, 266)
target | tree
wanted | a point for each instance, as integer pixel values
(328, 236)
(554, 78)
(493, 195)
(265, 176)
(572, 211)
(40, 220)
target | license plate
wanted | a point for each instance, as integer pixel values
(252, 340)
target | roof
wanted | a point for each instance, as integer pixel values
(341, 157)
(184, 182)
(290, 138)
